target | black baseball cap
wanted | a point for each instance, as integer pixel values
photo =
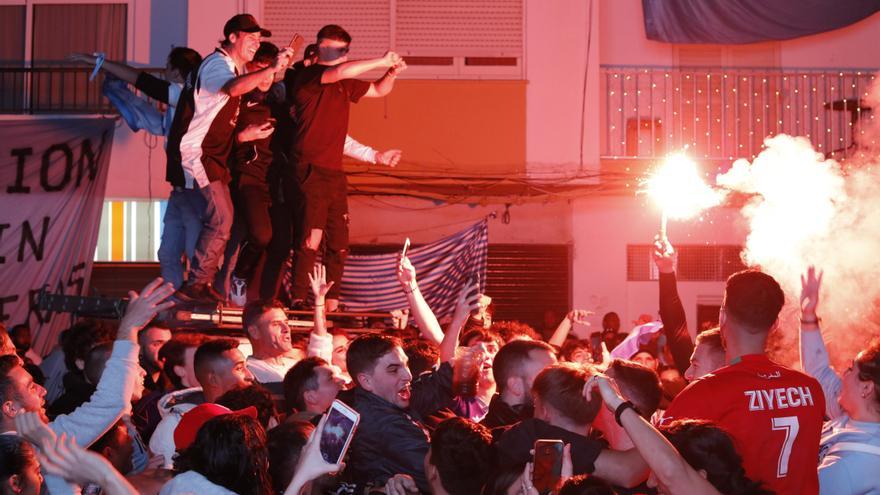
(245, 23)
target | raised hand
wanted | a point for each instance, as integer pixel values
(389, 157)
(609, 391)
(664, 255)
(31, 427)
(63, 457)
(318, 281)
(397, 68)
(82, 58)
(282, 60)
(811, 282)
(579, 316)
(311, 463)
(406, 272)
(390, 59)
(143, 307)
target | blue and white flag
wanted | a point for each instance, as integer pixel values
(442, 268)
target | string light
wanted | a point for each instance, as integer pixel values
(711, 105)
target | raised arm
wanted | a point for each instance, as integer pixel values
(661, 456)
(671, 310)
(468, 302)
(425, 319)
(385, 84)
(814, 355)
(320, 342)
(125, 72)
(245, 83)
(564, 328)
(353, 69)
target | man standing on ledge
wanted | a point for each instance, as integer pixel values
(321, 94)
(201, 139)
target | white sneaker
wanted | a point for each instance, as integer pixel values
(237, 291)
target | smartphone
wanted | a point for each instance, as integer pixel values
(338, 431)
(405, 248)
(547, 465)
(296, 42)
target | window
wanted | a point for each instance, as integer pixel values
(130, 230)
(452, 39)
(695, 263)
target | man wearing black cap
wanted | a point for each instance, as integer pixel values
(201, 139)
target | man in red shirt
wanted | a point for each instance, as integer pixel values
(773, 413)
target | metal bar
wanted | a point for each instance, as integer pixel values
(622, 118)
(607, 113)
(651, 115)
(638, 117)
(723, 116)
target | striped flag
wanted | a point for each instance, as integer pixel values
(442, 268)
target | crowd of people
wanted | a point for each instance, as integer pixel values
(455, 408)
(458, 408)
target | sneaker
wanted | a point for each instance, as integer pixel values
(238, 292)
(199, 293)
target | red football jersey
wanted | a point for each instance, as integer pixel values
(773, 413)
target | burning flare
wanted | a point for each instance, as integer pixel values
(679, 191)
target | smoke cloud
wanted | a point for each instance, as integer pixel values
(805, 210)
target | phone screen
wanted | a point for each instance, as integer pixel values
(334, 440)
(548, 465)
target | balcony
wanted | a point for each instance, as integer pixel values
(721, 114)
(53, 90)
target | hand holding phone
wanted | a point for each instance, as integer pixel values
(338, 431)
(547, 470)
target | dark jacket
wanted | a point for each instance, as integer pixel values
(388, 441)
(672, 314)
(513, 445)
(501, 414)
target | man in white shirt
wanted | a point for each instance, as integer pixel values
(265, 323)
(203, 140)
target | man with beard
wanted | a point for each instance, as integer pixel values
(151, 340)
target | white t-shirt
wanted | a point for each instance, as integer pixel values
(216, 70)
(266, 372)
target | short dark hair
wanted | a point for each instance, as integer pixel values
(510, 330)
(96, 360)
(570, 346)
(253, 395)
(184, 59)
(712, 339)
(610, 318)
(561, 386)
(639, 384)
(285, 443)
(230, 451)
(334, 32)
(15, 453)
(461, 450)
(311, 51)
(707, 447)
(481, 335)
(209, 353)
(299, 379)
(174, 351)
(753, 300)
(512, 357)
(266, 53)
(7, 364)
(366, 350)
(422, 355)
(81, 337)
(867, 364)
(255, 309)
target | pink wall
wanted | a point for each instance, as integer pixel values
(602, 227)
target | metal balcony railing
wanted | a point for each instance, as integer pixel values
(63, 90)
(726, 113)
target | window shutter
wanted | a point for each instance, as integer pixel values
(368, 22)
(467, 28)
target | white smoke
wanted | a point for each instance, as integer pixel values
(805, 210)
